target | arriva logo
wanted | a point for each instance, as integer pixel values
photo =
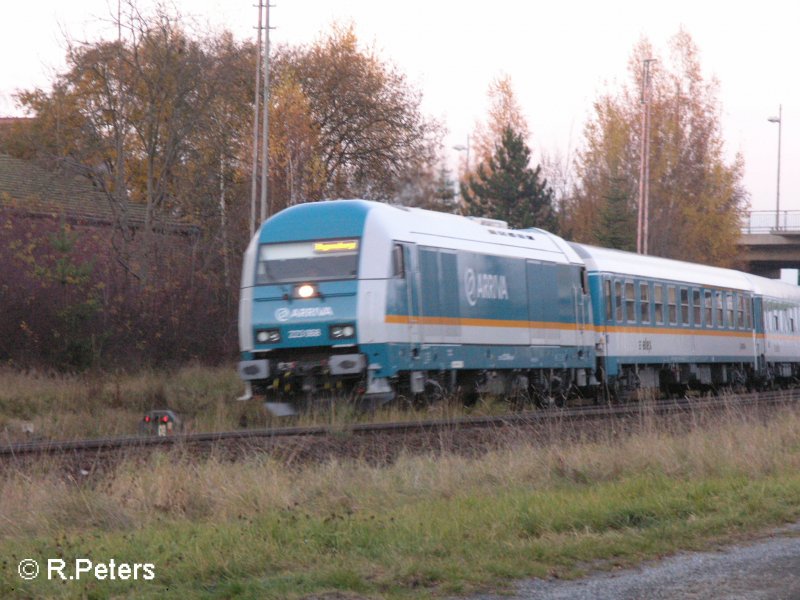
(487, 286)
(284, 314)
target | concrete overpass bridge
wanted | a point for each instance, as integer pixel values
(770, 242)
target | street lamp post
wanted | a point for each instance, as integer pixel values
(462, 148)
(779, 121)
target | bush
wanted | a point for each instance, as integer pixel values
(71, 303)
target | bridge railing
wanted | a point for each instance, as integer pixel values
(770, 221)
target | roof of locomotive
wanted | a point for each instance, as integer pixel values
(417, 225)
(606, 260)
(474, 234)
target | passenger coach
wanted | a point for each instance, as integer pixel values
(669, 324)
(777, 306)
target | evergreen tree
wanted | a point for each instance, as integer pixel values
(508, 188)
(617, 227)
(445, 189)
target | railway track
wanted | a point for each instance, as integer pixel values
(520, 419)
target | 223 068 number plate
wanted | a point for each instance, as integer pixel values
(304, 333)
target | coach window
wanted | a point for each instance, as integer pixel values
(618, 300)
(697, 310)
(630, 302)
(748, 313)
(673, 305)
(658, 300)
(740, 311)
(644, 298)
(398, 262)
(684, 306)
(707, 308)
(720, 315)
(607, 297)
(729, 311)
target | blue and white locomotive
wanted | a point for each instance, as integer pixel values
(381, 300)
(388, 299)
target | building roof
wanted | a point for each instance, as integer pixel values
(30, 189)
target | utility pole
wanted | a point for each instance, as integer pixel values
(644, 165)
(261, 103)
(265, 122)
(256, 104)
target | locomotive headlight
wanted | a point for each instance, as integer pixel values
(341, 332)
(306, 291)
(268, 336)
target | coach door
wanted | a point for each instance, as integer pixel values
(756, 308)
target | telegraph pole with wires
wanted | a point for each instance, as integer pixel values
(261, 108)
(644, 164)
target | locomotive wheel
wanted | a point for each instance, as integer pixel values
(520, 394)
(434, 393)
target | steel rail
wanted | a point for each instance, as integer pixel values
(399, 427)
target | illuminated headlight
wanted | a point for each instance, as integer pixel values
(341, 332)
(306, 290)
(268, 336)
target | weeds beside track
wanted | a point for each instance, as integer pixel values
(340, 440)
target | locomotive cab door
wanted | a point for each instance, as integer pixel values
(581, 293)
(406, 273)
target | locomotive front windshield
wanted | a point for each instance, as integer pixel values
(318, 260)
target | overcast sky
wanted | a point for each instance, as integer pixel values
(559, 55)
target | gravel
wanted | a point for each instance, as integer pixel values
(766, 568)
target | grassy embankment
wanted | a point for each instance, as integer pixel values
(426, 525)
(58, 406)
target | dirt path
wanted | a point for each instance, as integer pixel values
(765, 568)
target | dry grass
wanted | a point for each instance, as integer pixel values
(172, 484)
(36, 405)
(424, 525)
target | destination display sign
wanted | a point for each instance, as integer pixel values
(330, 246)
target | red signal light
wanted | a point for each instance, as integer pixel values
(165, 418)
(147, 418)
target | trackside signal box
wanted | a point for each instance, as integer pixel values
(161, 423)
